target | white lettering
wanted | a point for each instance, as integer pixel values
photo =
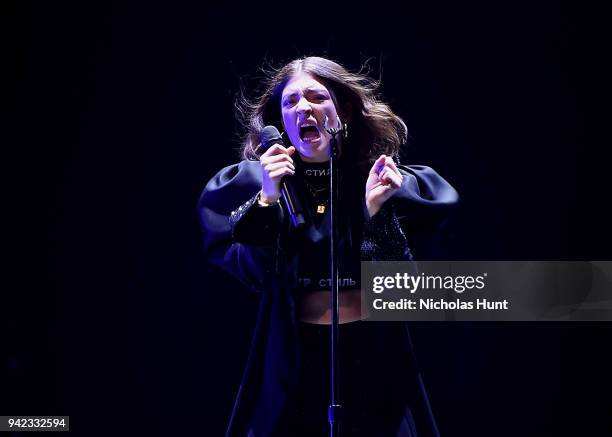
(377, 286)
(484, 304)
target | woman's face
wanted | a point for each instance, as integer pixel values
(304, 104)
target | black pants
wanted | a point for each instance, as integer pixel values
(375, 370)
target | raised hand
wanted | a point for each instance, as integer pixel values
(384, 180)
(275, 164)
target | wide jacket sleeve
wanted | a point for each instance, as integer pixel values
(240, 236)
(413, 223)
(425, 205)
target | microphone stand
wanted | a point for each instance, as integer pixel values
(334, 410)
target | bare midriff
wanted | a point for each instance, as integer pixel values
(315, 306)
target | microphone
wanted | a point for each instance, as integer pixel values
(289, 190)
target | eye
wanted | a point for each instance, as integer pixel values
(289, 101)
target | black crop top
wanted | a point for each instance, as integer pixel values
(314, 240)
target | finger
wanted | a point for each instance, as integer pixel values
(281, 172)
(392, 176)
(277, 165)
(378, 165)
(380, 190)
(275, 149)
(290, 150)
(382, 176)
(385, 189)
(281, 157)
(392, 179)
(391, 164)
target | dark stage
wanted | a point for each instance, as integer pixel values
(118, 115)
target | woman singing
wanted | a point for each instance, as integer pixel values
(387, 212)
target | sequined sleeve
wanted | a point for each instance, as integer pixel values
(383, 238)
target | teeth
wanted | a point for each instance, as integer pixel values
(309, 124)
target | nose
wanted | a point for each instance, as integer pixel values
(303, 107)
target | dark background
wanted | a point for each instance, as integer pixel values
(118, 115)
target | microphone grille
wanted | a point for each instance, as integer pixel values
(269, 136)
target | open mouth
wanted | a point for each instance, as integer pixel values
(309, 133)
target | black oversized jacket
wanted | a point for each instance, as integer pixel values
(251, 243)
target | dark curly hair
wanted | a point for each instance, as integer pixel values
(373, 130)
